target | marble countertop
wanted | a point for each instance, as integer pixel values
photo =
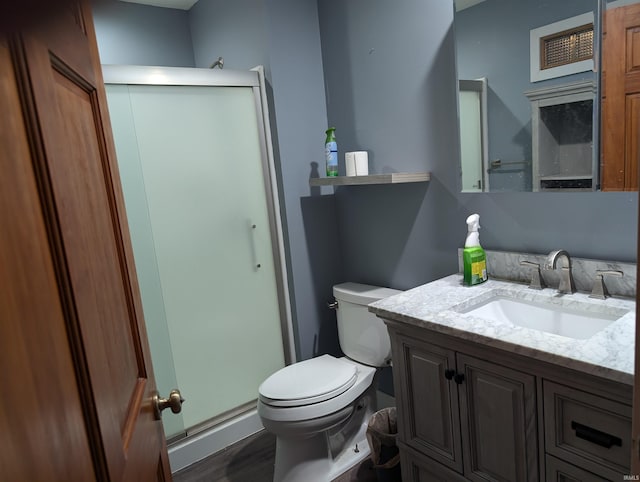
(440, 306)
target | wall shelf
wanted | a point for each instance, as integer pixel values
(390, 178)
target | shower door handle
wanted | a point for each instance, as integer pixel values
(254, 251)
(174, 402)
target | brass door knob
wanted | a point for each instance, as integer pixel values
(174, 402)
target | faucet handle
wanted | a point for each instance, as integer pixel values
(599, 290)
(537, 283)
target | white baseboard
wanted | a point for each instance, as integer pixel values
(197, 447)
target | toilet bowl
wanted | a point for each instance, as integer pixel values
(319, 408)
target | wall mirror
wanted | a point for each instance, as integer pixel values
(529, 84)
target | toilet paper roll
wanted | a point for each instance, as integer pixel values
(356, 163)
(350, 163)
(362, 163)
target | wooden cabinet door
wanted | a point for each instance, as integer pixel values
(75, 358)
(428, 401)
(621, 98)
(498, 421)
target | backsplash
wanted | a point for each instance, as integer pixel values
(505, 265)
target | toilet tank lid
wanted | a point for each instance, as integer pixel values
(361, 294)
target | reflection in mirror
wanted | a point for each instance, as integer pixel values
(620, 96)
(535, 130)
(472, 102)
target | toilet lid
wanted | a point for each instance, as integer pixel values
(307, 382)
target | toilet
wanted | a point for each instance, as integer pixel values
(319, 408)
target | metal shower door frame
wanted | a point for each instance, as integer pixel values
(254, 78)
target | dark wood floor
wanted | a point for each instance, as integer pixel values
(251, 460)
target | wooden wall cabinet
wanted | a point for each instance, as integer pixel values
(470, 412)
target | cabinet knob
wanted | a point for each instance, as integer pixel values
(449, 373)
(459, 378)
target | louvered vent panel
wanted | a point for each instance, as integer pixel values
(567, 47)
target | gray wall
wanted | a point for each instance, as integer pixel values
(133, 34)
(301, 113)
(390, 79)
(492, 41)
(236, 31)
(391, 86)
(599, 225)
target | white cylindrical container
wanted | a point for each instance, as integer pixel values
(361, 161)
(356, 163)
(350, 163)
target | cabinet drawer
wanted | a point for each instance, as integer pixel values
(418, 468)
(587, 430)
(559, 471)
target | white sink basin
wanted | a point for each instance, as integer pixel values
(569, 322)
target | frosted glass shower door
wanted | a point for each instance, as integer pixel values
(198, 152)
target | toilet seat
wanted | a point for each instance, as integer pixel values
(308, 382)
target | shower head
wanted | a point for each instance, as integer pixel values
(218, 63)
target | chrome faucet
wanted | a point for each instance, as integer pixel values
(566, 278)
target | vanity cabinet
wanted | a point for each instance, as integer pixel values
(467, 411)
(451, 404)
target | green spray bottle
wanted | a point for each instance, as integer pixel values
(331, 152)
(474, 259)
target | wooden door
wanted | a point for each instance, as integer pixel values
(497, 404)
(76, 373)
(621, 99)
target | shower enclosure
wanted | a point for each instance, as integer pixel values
(194, 151)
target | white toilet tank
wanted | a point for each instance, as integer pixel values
(363, 336)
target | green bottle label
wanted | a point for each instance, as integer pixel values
(331, 153)
(475, 266)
